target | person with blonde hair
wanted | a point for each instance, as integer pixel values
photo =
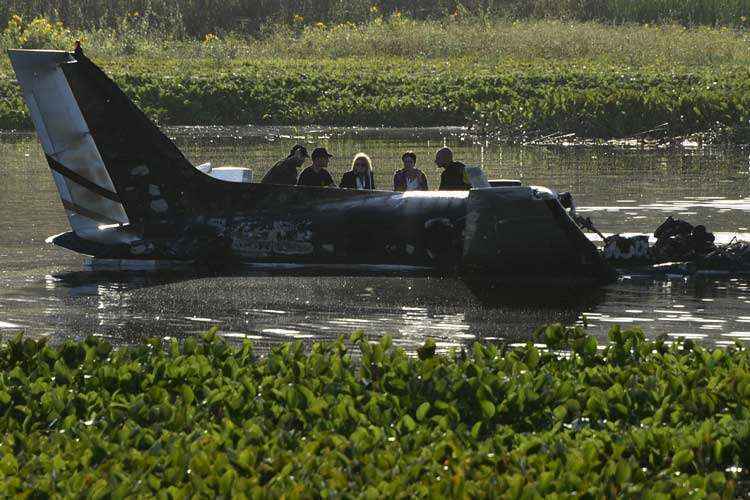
(360, 176)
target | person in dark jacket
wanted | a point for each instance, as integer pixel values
(317, 173)
(285, 171)
(360, 176)
(453, 177)
(409, 178)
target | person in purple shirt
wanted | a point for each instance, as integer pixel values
(409, 178)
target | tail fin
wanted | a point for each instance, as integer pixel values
(85, 188)
(153, 178)
(108, 158)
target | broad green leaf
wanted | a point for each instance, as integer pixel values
(422, 411)
(409, 423)
(682, 458)
(476, 429)
(488, 409)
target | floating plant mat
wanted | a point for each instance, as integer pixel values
(628, 418)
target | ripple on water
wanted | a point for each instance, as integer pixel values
(737, 335)
(691, 319)
(201, 320)
(239, 336)
(691, 336)
(43, 295)
(284, 332)
(625, 319)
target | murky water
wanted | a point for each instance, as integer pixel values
(46, 291)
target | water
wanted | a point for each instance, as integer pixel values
(47, 292)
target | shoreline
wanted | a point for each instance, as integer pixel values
(519, 81)
(696, 141)
(595, 104)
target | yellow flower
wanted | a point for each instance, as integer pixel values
(297, 18)
(210, 37)
(375, 9)
(320, 26)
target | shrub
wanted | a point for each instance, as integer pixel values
(37, 34)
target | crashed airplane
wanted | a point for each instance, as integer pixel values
(130, 193)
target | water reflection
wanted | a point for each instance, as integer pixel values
(707, 308)
(43, 291)
(269, 307)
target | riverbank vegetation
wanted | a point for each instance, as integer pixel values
(194, 18)
(516, 79)
(629, 418)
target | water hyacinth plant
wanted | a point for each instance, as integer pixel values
(508, 100)
(632, 418)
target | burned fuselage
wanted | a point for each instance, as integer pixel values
(131, 194)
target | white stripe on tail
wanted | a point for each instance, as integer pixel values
(85, 187)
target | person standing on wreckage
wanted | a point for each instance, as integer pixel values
(285, 171)
(453, 177)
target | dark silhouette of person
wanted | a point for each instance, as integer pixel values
(453, 177)
(317, 173)
(285, 171)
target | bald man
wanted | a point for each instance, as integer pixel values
(453, 177)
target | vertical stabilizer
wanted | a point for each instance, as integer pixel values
(85, 187)
(155, 181)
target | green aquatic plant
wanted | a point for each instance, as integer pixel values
(632, 417)
(508, 100)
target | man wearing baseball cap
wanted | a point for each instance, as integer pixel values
(285, 171)
(316, 174)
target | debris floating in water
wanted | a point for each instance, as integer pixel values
(691, 247)
(679, 240)
(734, 256)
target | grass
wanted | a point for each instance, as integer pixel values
(195, 18)
(630, 418)
(474, 40)
(515, 79)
